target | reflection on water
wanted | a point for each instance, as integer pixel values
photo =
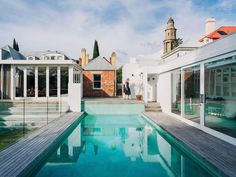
(119, 146)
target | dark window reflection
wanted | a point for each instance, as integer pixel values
(30, 81)
(41, 81)
(53, 81)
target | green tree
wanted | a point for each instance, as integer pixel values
(15, 45)
(119, 75)
(95, 50)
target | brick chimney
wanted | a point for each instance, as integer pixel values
(83, 57)
(87, 59)
(113, 59)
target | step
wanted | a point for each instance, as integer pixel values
(153, 110)
(154, 104)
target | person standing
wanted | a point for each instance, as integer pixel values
(127, 89)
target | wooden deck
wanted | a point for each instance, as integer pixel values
(25, 155)
(221, 155)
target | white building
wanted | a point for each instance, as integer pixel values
(198, 86)
(39, 76)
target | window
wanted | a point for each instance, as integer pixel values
(30, 81)
(42, 82)
(97, 81)
(46, 57)
(52, 57)
(30, 58)
(64, 80)
(53, 81)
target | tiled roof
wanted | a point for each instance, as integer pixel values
(99, 64)
(220, 32)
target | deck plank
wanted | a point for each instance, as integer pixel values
(220, 154)
(18, 158)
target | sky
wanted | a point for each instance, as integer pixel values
(129, 27)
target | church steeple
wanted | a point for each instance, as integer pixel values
(170, 41)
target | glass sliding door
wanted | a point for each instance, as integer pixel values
(191, 104)
(64, 80)
(220, 90)
(30, 82)
(176, 92)
(41, 81)
(19, 81)
(53, 81)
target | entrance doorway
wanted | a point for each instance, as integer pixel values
(152, 88)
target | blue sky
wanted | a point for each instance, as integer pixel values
(129, 27)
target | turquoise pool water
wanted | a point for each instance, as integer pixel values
(120, 146)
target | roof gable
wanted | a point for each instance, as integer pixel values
(99, 63)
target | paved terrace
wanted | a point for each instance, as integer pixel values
(25, 155)
(220, 154)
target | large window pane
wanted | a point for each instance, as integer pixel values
(42, 82)
(64, 80)
(0, 82)
(19, 81)
(192, 93)
(176, 92)
(53, 81)
(220, 107)
(30, 81)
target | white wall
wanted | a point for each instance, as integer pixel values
(164, 91)
(131, 71)
(74, 96)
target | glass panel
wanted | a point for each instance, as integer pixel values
(30, 81)
(192, 93)
(42, 82)
(0, 82)
(220, 109)
(176, 92)
(64, 80)
(53, 81)
(19, 81)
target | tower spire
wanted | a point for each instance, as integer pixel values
(170, 41)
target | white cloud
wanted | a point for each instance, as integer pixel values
(71, 25)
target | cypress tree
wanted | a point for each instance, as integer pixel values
(17, 47)
(95, 50)
(14, 44)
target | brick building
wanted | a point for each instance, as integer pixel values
(99, 76)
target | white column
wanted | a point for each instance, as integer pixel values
(47, 81)
(145, 84)
(202, 94)
(12, 82)
(36, 82)
(58, 81)
(81, 83)
(1, 82)
(182, 93)
(25, 82)
(70, 74)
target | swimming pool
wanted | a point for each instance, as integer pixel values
(120, 146)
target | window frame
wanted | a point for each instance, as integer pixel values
(94, 88)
